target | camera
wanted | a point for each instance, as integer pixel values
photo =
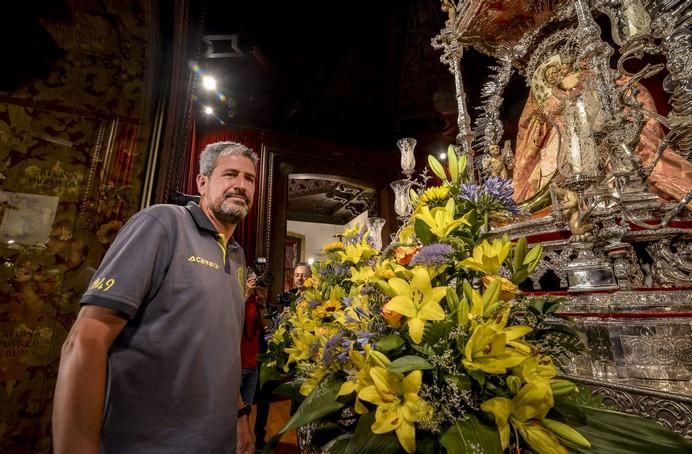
(264, 277)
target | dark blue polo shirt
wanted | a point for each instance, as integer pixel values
(174, 371)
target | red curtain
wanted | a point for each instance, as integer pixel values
(245, 231)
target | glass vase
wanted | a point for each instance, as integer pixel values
(408, 159)
(374, 226)
(402, 201)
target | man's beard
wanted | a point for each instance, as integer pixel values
(231, 213)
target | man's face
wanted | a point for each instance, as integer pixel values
(299, 275)
(230, 189)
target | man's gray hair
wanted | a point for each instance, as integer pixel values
(212, 152)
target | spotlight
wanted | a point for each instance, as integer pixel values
(442, 156)
(311, 261)
(208, 110)
(209, 83)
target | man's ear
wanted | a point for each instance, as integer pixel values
(201, 184)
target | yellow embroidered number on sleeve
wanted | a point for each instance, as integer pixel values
(102, 284)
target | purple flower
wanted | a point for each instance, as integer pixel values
(501, 189)
(314, 303)
(470, 192)
(494, 195)
(433, 255)
(330, 348)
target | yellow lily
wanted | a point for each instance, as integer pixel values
(361, 275)
(508, 289)
(398, 404)
(312, 381)
(488, 258)
(354, 253)
(536, 368)
(441, 219)
(358, 380)
(417, 300)
(300, 347)
(493, 348)
(532, 403)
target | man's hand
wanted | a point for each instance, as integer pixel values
(245, 443)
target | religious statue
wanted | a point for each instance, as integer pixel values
(494, 162)
(569, 204)
(556, 135)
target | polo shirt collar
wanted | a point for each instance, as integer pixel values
(204, 223)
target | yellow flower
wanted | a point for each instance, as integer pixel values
(354, 253)
(359, 380)
(532, 402)
(334, 246)
(300, 347)
(313, 380)
(508, 289)
(441, 220)
(417, 300)
(362, 275)
(488, 258)
(398, 404)
(309, 282)
(536, 368)
(435, 194)
(493, 348)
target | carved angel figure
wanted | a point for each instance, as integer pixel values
(569, 204)
(498, 162)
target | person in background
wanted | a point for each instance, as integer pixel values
(255, 298)
(301, 272)
(152, 363)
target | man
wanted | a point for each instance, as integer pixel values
(152, 364)
(255, 297)
(300, 273)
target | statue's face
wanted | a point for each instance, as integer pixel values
(552, 74)
(494, 150)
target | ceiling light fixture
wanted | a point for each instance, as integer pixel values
(208, 110)
(209, 83)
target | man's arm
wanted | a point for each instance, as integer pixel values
(80, 390)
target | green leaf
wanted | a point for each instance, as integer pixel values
(620, 433)
(408, 363)
(423, 231)
(364, 441)
(470, 435)
(389, 342)
(290, 389)
(319, 403)
(270, 374)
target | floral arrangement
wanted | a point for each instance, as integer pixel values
(430, 343)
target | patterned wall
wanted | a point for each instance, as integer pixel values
(73, 141)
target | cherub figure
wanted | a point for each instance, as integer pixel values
(497, 162)
(569, 205)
